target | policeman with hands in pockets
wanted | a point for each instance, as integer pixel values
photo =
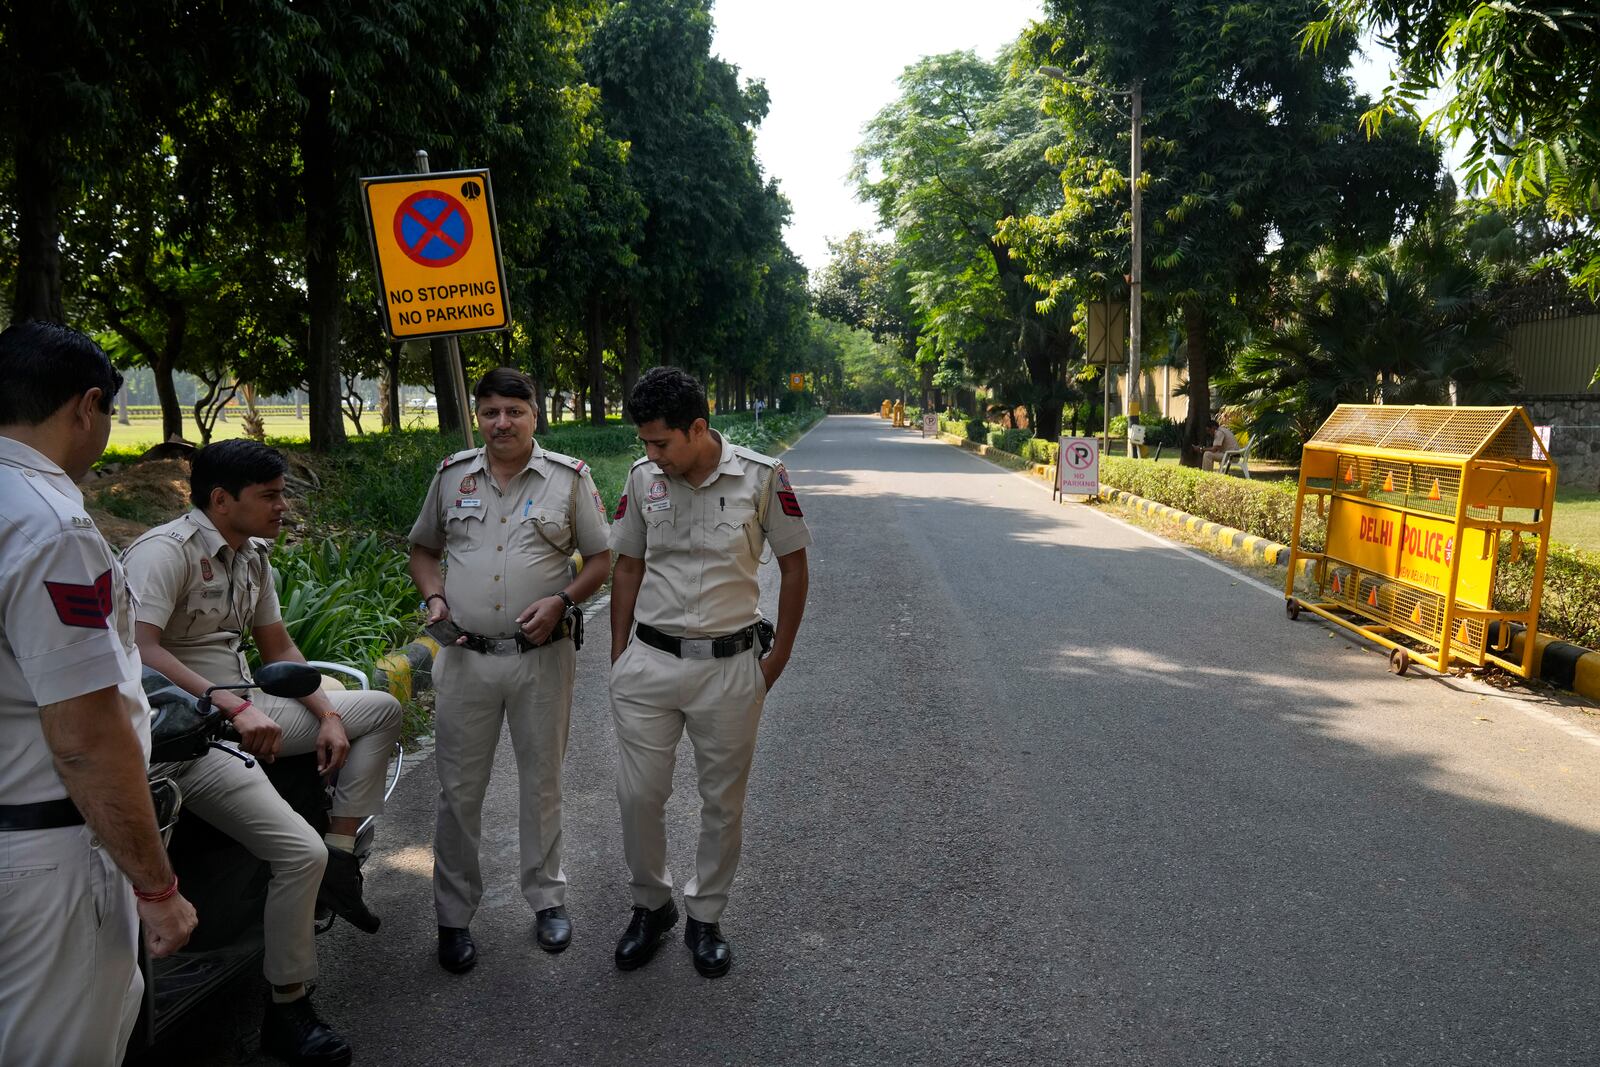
(505, 519)
(81, 859)
(204, 583)
(689, 534)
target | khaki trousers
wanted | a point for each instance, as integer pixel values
(239, 801)
(371, 721)
(655, 697)
(532, 693)
(70, 986)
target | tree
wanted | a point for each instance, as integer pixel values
(1521, 79)
(1252, 160)
(960, 151)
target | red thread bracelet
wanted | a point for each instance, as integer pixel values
(234, 714)
(156, 898)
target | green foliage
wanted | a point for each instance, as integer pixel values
(1570, 606)
(976, 430)
(345, 600)
(1158, 429)
(1262, 508)
(1009, 440)
(1038, 450)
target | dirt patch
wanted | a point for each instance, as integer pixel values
(127, 500)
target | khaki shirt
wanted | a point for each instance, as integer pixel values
(702, 546)
(1224, 440)
(66, 619)
(203, 595)
(505, 549)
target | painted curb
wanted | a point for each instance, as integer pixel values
(407, 671)
(1270, 552)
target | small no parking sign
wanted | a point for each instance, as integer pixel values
(1078, 467)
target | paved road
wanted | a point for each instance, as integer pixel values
(1040, 789)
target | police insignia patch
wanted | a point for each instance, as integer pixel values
(469, 484)
(622, 506)
(205, 570)
(87, 606)
(783, 477)
(599, 505)
(658, 490)
(791, 506)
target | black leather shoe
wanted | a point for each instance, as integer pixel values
(341, 891)
(457, 953)
(293, 1032)
(644, 934)
(712, 955)
(554, 928)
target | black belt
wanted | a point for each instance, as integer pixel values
(698, 648)
(518, 643)
(45, 815)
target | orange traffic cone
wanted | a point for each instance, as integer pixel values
(1337, 588)
(1433, 494)
(1461, 635)
(1372, 597)
(1416, 614)
(1350, 475)
(1388, 482)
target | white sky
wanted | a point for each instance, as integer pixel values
(830, 65)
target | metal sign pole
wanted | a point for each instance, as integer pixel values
(458, 377)
(1136, 273)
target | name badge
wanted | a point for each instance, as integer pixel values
(470, 502)
(659, 505)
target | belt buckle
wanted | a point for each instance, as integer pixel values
(697, 649)
(503, 646)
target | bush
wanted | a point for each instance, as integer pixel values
(348, 601)
(1037, 450)
(1570, 608)
(1158, 430)
(1009, 440)
(977, 431)
(1265, 509)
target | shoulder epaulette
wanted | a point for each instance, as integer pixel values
(754, 456)
(566, 461)
(641, 459)
(465, 453)
(177, 531)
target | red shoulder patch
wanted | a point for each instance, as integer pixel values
(791, 506)
(88, 606)
(622, 507)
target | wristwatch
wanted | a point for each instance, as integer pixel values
(568, 601)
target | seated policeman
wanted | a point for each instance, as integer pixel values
(203, 582)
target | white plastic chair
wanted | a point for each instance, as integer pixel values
(1240, 454)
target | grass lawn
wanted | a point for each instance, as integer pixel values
(142, 433)
(1577, 519)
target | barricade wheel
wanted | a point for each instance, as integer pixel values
(1399, 661)
(1292, 606)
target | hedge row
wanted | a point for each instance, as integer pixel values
(1569, 611)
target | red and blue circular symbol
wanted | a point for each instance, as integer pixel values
(432, 228)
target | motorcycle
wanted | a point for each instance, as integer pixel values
(225, 883)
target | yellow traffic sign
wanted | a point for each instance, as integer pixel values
(437, 250)
(797, 382)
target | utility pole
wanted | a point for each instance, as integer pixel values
(1136, 275)
(458, 377)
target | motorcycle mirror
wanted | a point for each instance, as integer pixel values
(292, 680)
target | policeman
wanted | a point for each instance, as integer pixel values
(506, 517)
(690, 529)
(204, 581)
(76, 821)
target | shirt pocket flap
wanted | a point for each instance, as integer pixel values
(735, 516)
(458, 513)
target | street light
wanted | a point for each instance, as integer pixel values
(1136, 275)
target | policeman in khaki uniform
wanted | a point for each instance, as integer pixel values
(76, 821)
(204, 582)
(506, 519)
(689, 534)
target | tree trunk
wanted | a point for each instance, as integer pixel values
(38, 200)
(389, 390)
(122, 405)
(632, 349)
(594, 321)
(167, 397)
(1197, 337)
(324, 285)
(444, 386)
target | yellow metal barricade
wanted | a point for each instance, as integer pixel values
(1419, 502)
